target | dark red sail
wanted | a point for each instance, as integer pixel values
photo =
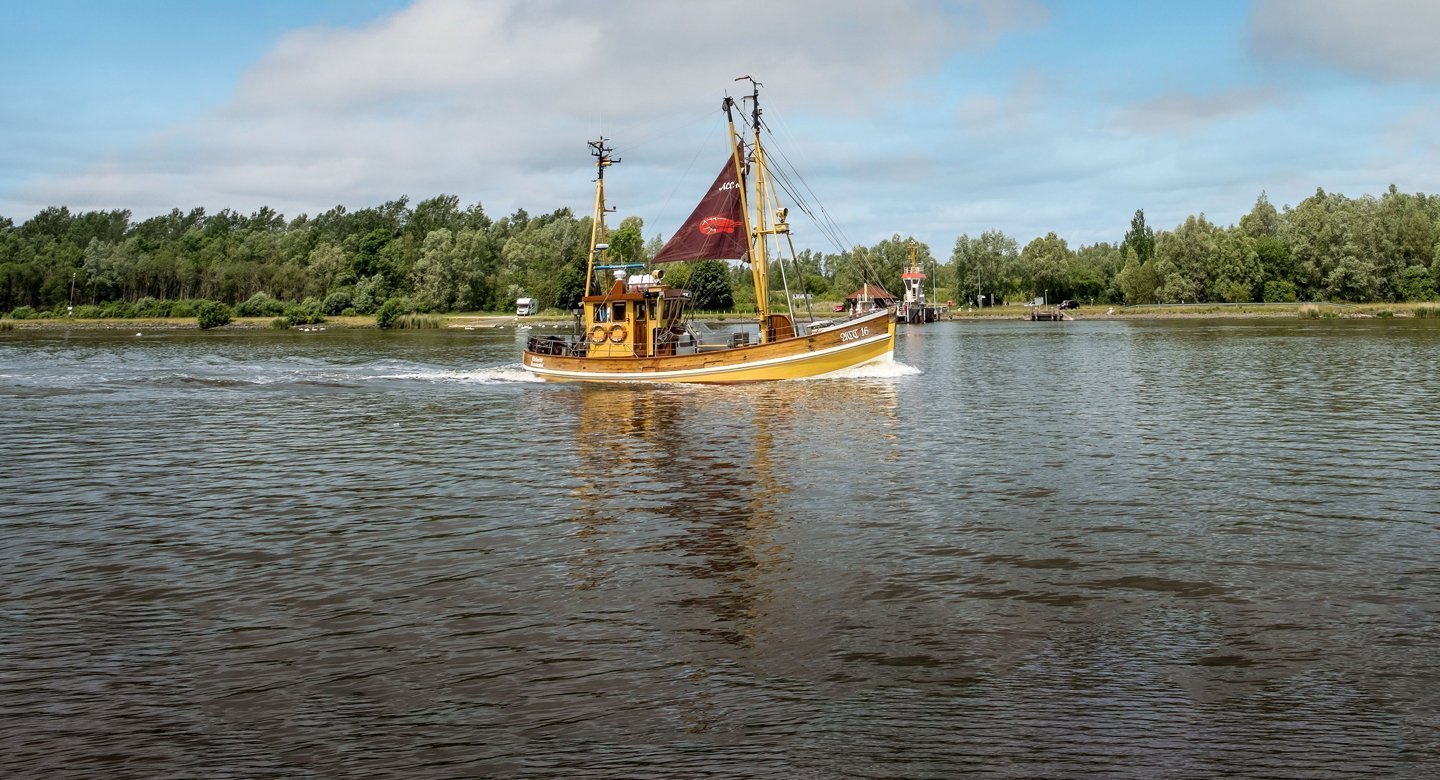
(716, 229)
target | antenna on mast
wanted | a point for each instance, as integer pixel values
(754, 99)
(601, 153)
(598, 244)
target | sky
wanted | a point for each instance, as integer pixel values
(931, 119)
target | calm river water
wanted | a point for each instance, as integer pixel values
(1184, 549)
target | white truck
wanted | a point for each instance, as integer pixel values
(524, 307)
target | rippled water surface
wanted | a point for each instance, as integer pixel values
(1109, 549)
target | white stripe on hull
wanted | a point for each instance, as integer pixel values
(713, 371)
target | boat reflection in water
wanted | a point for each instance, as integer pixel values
(697, 478)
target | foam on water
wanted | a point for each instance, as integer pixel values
(888, 368)
(485, 376)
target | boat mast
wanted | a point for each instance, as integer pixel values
(598, 247)
(759, 243)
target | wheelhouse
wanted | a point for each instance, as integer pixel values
(639, 316)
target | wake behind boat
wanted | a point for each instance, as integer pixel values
(636, 328)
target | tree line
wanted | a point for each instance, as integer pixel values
(439, 256)
(1328, 248)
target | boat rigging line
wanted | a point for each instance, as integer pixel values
(795, 186)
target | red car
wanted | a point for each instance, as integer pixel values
(839, 307)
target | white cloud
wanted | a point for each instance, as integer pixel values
(1392, 40)
(493, 101)
(894, 128)
(1179, 111)
(634, 54)
(1018, 109)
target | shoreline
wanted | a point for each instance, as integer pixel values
(488, 321)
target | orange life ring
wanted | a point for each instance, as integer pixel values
(597, 334)
(617, 333)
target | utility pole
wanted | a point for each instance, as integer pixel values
(70, 308)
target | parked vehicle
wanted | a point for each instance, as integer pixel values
(524, 307)
(1068, 304)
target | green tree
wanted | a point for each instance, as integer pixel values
(1237, 275)
(1263, 219)
(438, 213)
(1337, 246)
(570, 286)
(1138, 282)
(1044, 267)
(307, 312)
(433, 279)
(1407, 226)
(1280, 291)
(210, 314)
(627, 242)
(709, 286)
(1140, 239)
(1316, 241)
(476, 270)
(390, 311)
(809, 269)
(260, 305)
(1351, 279)
(366, 259)
(370, 293)
(336, 302)
(1184, 260)
(885, 262)
(677, 275)
(987, 265)
(1415, 284)
(534, 257)
(1093, 270)
(847, 270)
(329, 267)
(1264, 227)
(880, 264)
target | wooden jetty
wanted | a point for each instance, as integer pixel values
(1052, 314)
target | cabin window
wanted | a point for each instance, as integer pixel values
(619, 310)
(602, 314)
(652, 303)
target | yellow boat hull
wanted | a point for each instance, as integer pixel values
(851, 344)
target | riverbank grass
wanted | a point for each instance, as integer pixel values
(417, 322)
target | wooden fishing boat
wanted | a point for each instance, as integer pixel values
(633, 327)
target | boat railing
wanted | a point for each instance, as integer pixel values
(701, 331)
(557, 345)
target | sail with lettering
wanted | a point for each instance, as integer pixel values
(716, 229)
